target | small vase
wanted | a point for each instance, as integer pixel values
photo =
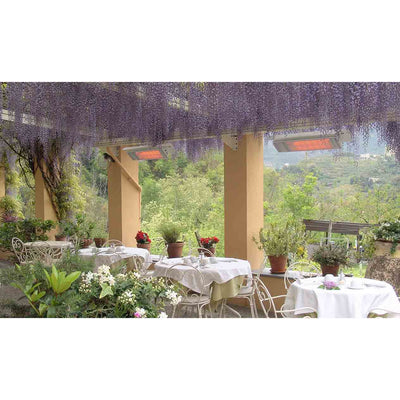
(143, 246)
(330, 270)
(174, 250)
(278, 264)
(206, 253)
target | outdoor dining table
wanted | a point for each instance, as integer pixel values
(347, 302)
(226, 276)
(110, 256)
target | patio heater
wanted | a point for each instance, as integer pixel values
(310, 141)
(141, 153)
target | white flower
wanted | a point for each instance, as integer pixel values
(136, 275)
(103, 270)
(140, 313)
(173, 296)
(163, 315)
(127, 297)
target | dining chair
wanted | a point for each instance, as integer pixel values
(190, 299)
(112, 243)
(206, 252)
(137, 263)
(378, 312)
(247, 291)
(300, 269)
(20, 251)
(267, 303)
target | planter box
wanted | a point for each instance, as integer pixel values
(382, 248)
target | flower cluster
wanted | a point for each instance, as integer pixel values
(329, 285)
(140, 313)
(103, 275)
(142, 237)
(173, 297)
(209, 242)
(127, 298)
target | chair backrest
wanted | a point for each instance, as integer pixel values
(181, 273)
(300, 269)
(265, 298)
(378, 312)
(136, 264)
(198, 237)
(19, 250)
(112, 243)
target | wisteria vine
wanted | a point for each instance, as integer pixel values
(81, 114)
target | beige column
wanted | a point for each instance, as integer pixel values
(43, 206)
(244, 199)
(2, 181)
(123, 199)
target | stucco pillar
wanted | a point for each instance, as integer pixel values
(43, 206)
(2, 181)
(123, 200)
(244, 199)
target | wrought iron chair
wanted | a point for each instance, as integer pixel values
(302, 269)
(268, 305)
(247, 291)
(206, 252)
(20, 251)
(190, 299)
(112, 243)
(137, 264)
(378, 312)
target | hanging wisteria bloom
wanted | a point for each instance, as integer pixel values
(86, 114)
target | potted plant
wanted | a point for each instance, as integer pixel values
(80, 229)
(383, 240)
(171, 233)
(278, 239)
(99, 236)
(209, 244)
(330, 257)
(143, 240)
(60, 237)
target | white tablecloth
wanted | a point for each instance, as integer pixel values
(343, 303)
(105, 258)
(223, 271)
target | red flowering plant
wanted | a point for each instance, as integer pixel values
(209, 242)
(142, 237)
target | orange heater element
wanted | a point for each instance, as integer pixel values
(149, 155)
(309, 145)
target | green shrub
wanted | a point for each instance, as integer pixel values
(331, 255)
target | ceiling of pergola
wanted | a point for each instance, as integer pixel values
(90, 114)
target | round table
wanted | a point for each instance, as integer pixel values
(343, 303)
(109, 256)
(227, 273)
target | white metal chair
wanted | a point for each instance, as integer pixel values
(378, 312)
(137, 264)
(189, 298)
(39, 252)
(268, 305)
(112, 243)
(247, 291)
(206, 252)
(300, 269)
(20, 251)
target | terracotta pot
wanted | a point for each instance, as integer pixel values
(278, 264)
(86, 243)
(174, 250)
(143, 246)
(330, 270)
(99, 241)
(206, 253)
(383, 247)
(61, 238)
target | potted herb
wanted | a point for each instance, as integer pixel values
(171, 234)
(278, 239)
(143, 240)
(99, 236)
(79, 229)
(209, 244)
(330, 257)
